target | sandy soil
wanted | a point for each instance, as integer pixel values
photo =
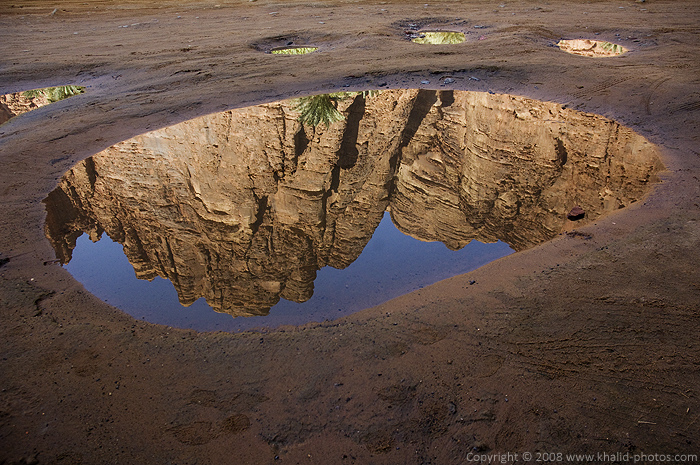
(586, 344)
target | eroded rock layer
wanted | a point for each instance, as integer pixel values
(243, 207)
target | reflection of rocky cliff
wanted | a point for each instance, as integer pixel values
(14, 104)
(244, 206)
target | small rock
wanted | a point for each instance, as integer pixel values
(478, 446)
(449, 81)
(576, 213)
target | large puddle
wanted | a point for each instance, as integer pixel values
(316, 216)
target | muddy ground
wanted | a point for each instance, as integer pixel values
(588, 343)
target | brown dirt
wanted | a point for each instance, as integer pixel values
(585, 344)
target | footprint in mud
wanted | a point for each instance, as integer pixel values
(198, 433)
(194, 434)
(234, 424)
(487, 366)
(207, 416)
(398, 395)
(202, 397)
(378, 441)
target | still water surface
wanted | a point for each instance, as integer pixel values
(313, 208)
(392, 264)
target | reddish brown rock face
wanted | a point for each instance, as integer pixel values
(243, 207)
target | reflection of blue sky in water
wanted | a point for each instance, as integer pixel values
(392, 264)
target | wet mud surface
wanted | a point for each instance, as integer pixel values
(587, 343)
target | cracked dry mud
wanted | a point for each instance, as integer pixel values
(586, 343)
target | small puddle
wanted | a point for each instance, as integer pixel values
(591, 48)
(15, 104)
(293, 50)
(271, 211)
(438, 37)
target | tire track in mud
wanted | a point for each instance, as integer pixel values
(688, 106)
(600, 88)
(650, 93)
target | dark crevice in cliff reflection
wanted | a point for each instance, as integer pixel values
(244, 208)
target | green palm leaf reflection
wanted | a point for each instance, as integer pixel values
(54, 94)
(440, 38)
(318, 109)
(323, 109)
(293, 50)
(610, 47)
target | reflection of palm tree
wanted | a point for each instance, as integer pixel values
(440, 38)
(54, 94)
(317, 109)
(294, 51)
(610, 47)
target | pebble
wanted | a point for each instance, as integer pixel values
(452, 408)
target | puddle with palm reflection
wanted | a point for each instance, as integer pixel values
(257, 208)
(17, 103)
(591, 48)
(293, 50)
(439, 38)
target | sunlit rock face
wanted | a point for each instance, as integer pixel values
(243, 207)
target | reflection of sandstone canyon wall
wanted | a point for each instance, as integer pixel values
(14, 104)
(244, 207)
(499, 167)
